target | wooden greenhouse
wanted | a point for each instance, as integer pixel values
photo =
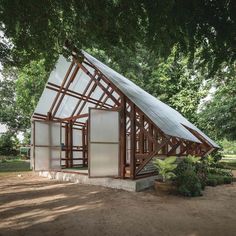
(94, 120)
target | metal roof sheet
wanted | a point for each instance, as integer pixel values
(166, 118)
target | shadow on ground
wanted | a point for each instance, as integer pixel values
(31, 205)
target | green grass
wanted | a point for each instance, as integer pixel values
(229, 163)
(13, 164)
(230, 156)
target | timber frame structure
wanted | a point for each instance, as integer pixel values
(140, 138)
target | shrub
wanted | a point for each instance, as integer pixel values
(166, 167)
(228, 180)
(219, 179)
(211, 182)
(189, 184)
(202, 171)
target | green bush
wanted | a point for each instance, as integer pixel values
(202, 171)
(187, 180)
(211, 182)
(189, 184)
(219, 179)
(228, 180)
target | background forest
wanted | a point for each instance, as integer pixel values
(182, 52)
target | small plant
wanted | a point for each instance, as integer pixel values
(166, 167)
(189, 184)
(188, 178)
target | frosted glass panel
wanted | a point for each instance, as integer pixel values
(58, 74)
(104, 159)
(66, 107)
(41, 133)
(47, 134)
(42, 158)
(55, 159)
(55, 134)
(104, 126)
(45, 101)
(104, 143)
(77, 137)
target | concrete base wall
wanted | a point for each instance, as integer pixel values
(128, 185)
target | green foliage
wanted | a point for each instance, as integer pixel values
(229, 147)
(216, 179)
(165, 167)
(217, 116)
(211, 182)
(191, 176)
(8, 144)
(41, 29)
(29, 87)
(13, 165)
(188, 183)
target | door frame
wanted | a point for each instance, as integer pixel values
(89, 136)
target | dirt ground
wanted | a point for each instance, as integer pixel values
(32, 205)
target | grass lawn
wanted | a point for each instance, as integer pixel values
(230, 156)
(229, 163)
(13, 164)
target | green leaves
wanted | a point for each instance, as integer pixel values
(165, 167)
(41, 29)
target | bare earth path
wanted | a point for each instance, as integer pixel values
(31, 205)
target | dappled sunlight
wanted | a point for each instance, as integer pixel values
(36, 206)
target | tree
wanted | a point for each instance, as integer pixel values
(217, 116)
(10, 114)
(8, 144)
(29, 87)
(37, 28)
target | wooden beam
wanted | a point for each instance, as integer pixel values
(122, 138)
(132, 141)
(164, 142)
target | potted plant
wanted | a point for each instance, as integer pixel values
(165, 170)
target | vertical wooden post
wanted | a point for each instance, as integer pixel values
(132, 141)
(150, 144)
(141, 135)
(83, 145)
(67, 144)
(122, 156)
(71, 143)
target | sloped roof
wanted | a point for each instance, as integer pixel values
(166, 118)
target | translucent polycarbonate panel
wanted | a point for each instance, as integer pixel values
(81, 80)
(32, 133)
(31, 157)
(104, 159)
(104, 126)
(77, 154)
(42, 158)
(62, 135)
(42, 133)
(55, 134)
(110, 102)
(85, 110)
(66, 107)
(55, 158)
(45, 101)
(178, 150)
(77, 137)
(97, 93)
(83, 119)
(60, 70)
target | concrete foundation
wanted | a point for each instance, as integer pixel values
(128, 185)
